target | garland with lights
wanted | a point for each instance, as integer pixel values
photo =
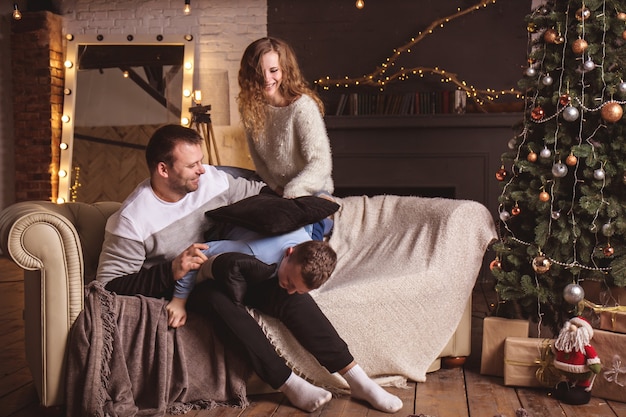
(383, 75)
(562, 211)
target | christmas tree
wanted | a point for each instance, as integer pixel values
(563, 203)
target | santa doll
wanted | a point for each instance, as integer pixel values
(577, 360)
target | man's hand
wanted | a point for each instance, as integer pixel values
(191, 259)
(176, 313)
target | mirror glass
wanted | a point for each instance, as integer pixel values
(118, 90)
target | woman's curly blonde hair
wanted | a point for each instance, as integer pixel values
(251, 99)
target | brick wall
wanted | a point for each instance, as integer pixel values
(37, 64)
(221, 30)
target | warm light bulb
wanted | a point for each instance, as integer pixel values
(187, 65)
(63, 146)
(187, 8)
(186, 92)
(125, 74)
(62, 173)
(60, 200)
(360, 4)
(65, 118)
(197, 96)
(68, 64)
(184, 121)
(16, 12)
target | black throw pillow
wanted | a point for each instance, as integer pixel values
(273, 215)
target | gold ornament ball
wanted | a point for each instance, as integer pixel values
(583, 14)
(571, 160)
(624, 34)
(544, 196)
(550, 35)
(579, 46)
(621, 16)
(612, 112)
(532, 157)
(501, 174)
(541, 264)
(531, 27)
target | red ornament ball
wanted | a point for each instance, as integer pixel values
(579, 46)
(537, 113)
(501, 174)
(571, 160)
(495, 264)
(608, 251)
(565, 99)
(516, 210)
(612, 112)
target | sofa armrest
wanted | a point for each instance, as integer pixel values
(45, 239)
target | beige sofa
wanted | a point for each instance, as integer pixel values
(58, 248)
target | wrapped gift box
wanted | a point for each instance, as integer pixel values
(528, 362)
(610, 383)
(613, 319)
(495, 332)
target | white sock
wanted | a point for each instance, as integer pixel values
(363, 388)
(303, 394)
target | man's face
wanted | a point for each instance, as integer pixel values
(184, 174)
(290, 276)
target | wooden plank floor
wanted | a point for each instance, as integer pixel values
(460, 392)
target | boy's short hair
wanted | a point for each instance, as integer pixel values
(318, 261)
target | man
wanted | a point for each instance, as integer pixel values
(147, 248)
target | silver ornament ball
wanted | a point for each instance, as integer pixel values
(589, 65)
(556, 215)
(573, 293)
(547, 80)
(622, 87)
(505, 215)
(559, 170)
(571, 113)
(545, 153)
(530, 72)
(599, 174)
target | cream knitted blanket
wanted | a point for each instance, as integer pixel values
(406, 269)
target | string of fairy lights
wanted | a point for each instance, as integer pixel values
(570, 109)
(388, 72)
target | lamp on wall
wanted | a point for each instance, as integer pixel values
(17, 15)
(360, 4)
(187, 8)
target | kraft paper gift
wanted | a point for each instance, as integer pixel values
(528, 362)
(613, 319)
(495, 331)
(610, 383)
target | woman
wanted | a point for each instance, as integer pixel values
(283, 120)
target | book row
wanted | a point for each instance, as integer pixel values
(419, 102)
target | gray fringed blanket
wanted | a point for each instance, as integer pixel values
(124, 361)
(406, 269)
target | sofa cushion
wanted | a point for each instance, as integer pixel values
(272, 215)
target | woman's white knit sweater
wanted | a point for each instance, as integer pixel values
(294, 151)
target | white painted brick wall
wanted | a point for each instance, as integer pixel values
(221, 28)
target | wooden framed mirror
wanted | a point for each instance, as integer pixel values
(118, 90)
